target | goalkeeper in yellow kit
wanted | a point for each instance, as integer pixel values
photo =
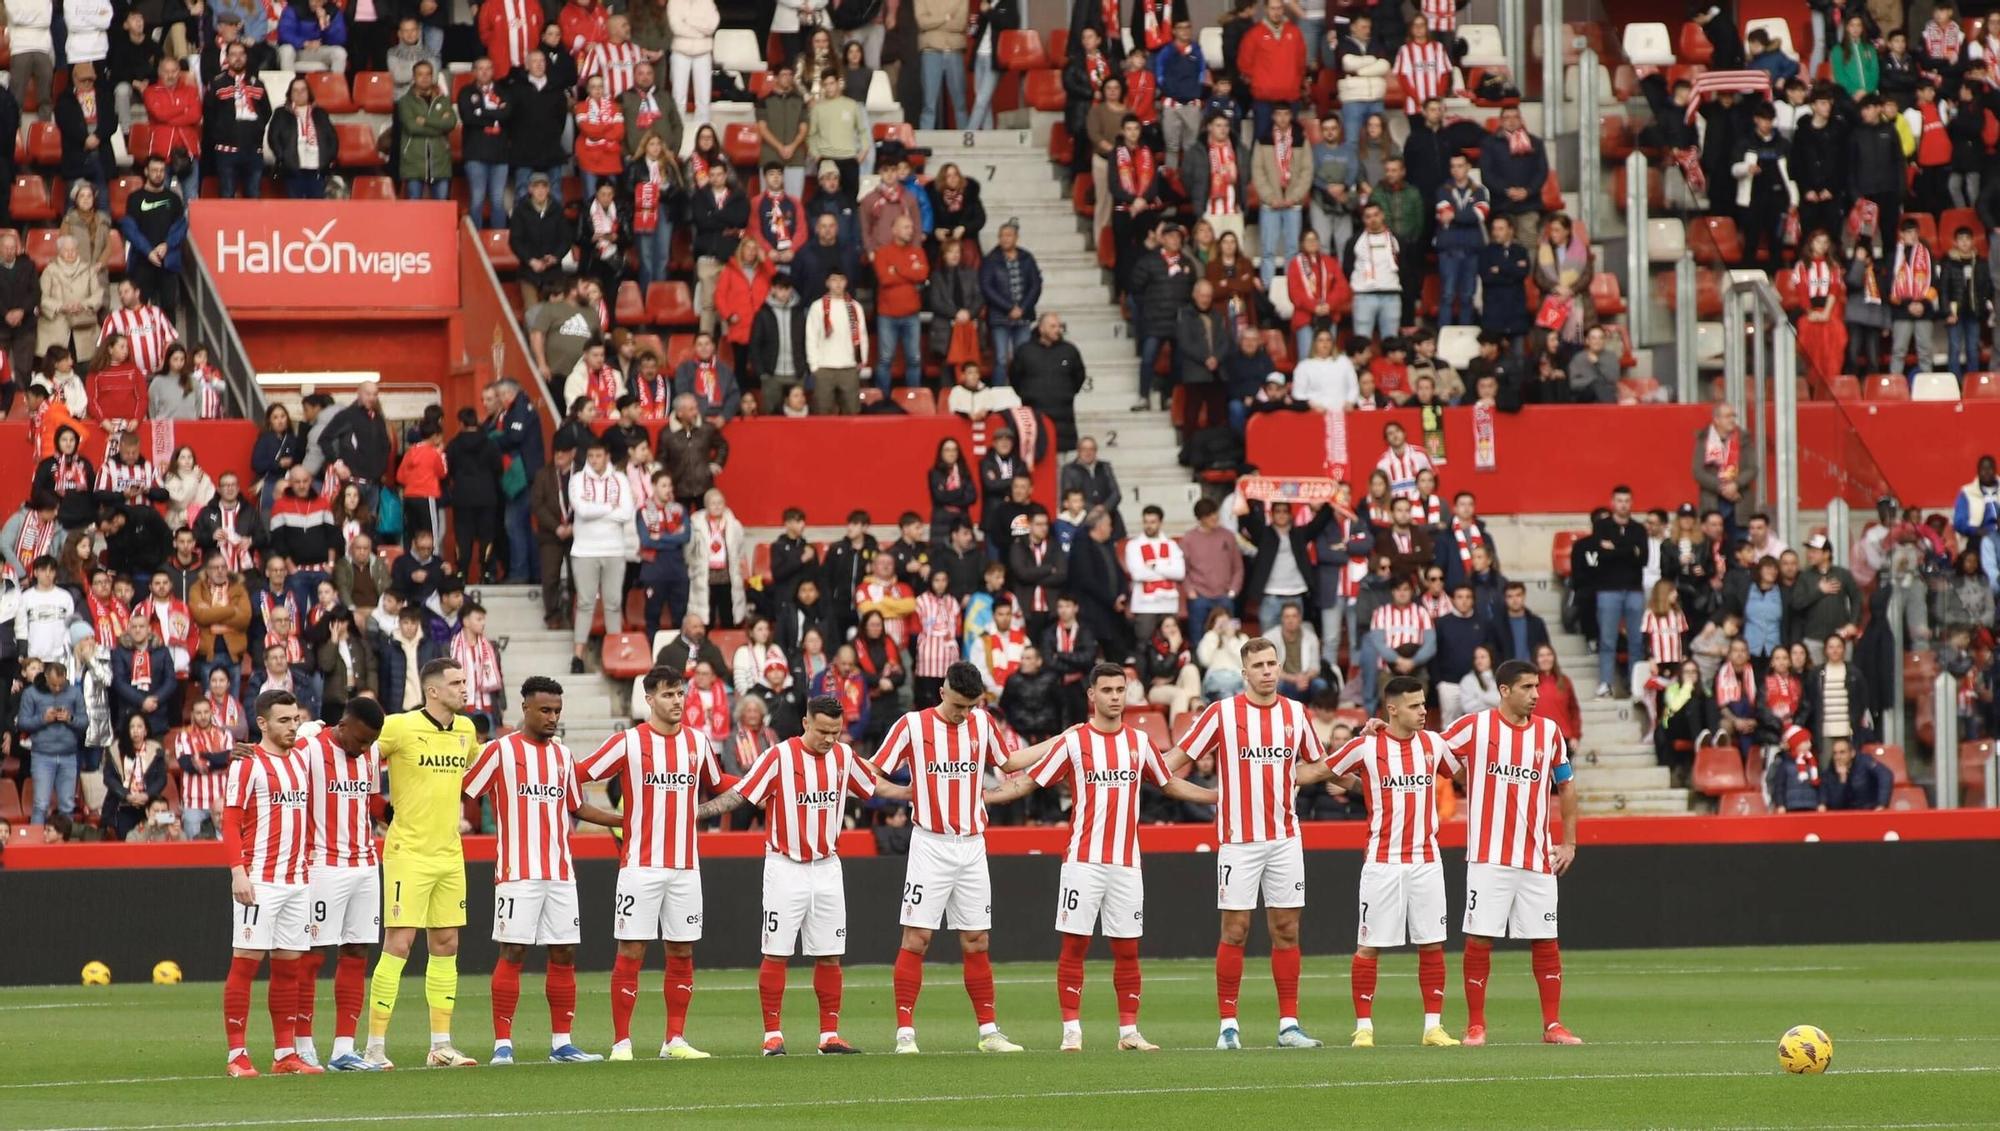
(425, 753)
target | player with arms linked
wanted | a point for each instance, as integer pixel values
(531, 781)
(346, 770)
(1105, 761)
(1402, 882)
(803, 785)
(1509, 761)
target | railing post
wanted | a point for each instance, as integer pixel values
(1514, 35)
(1589, 159)
(1785, 411)
(1638, 295)
(1753, 377)
(1892, 727)
(1552, 68)
(1732, 356)
(1687, 363)
(1944, 706)
(1837, 516)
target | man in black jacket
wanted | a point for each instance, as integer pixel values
(847, 565)
(778, 343)
(1099, 584)
(1048, 373)
(540, 235)
(483, 112)
(1071, 649)
(535, 129)
(235, 110)
(81, 156)
(805, 609)
(1875, 165)
(1162, 284)
(136, 539)
(1819, 148)
(1621, 560)
(826, 253)
(1517, 630)
(1037, 568)
(721, 214)
(691, 647)
(359, 437)
(20, 293)
(1271, 582)
(1201, 341)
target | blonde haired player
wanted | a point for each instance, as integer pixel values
(425, 753)
(1508, 760)
(1402, 883)
(803, 785)
(531, 781)
(1105, 761)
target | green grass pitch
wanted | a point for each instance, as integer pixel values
(1678, 1038)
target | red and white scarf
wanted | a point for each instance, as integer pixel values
(1467, 535)
(718, 543)
(853, 322)
(36, 534)
(1815, 278)
(1135, 169)
(70, 473)
(1221, 178)
(655, 394)
(1912, 280)
(210, 382)
(598, 111)
(1281, 149)
(228, 712)
(1732, 685)
(707, 382)
(142, 668)
(1798, 743)
(1096, 68)
(1108, 12)
(1722, 454)
(235, 549)
(108, 619)
(482, 665)
(1316, 272)
(1155, 23)
(661, 521)
(1520, 142)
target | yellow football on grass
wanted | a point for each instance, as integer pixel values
(1805, 1050)
(167, 973)
(96, 974)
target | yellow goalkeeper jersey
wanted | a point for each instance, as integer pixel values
(426, 766)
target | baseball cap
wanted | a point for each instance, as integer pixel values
(828, 169)
(1818, 542)
(1687, 510)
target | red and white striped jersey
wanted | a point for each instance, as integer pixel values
(1436, 605)
(1401, 468)
(115, 476)
(272, 790)
(937, 634)
(947, 766)
(1425, 69)
(203, 787)
(663, 777)
(1156, 567)
(343, 834)
(1441, 15)
(150, 330)
(1663, 636)
(1257, 751)
(615, 61)
(1401, 624)
(804, 796)
(1104, 772)
(1507, 783)
(534, 791)
(1401, 775)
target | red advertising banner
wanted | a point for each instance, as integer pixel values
(330, 255)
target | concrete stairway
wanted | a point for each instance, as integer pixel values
(1017, 181)
(593, 706)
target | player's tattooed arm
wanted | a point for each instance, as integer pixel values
(598, 815)
(1182, 789)
(716, 807)
(1013, 789)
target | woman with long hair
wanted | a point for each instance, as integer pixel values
(810, 660)
(1373, 149)
(1820, 283)
(352, 514)
(954, 489)
(1320, 379)
(91, 224)
(604, 232)
(658, 189)
(1686, 717)
(302, 137)
(135, 772)
(1558, 695)
(706, 154)
(69, 476)
(1561, 270)
(1220, 654)
(58, 372)
(1168, 670)
(1236, 282)
(956, 212)
(1665, 628)
(819, 58)
(279, 447)
(1478, 690)
(741, 286)
(881, 664)
(1375, 505)
(757, 655)
(188, 488)
(171, 395)
(1102, 126)
(208, 381)
(117, 386)
(1201, 244)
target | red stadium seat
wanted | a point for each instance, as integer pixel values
(1552, 194)
(330, 91)
(643, 344)
(1107, 250)
(1694, 45)
(1058, 47)
(12, 808)
(1083, 195)
(121, 188)
(670, 304)
(1060, 143)
(1715, 239)
(630, 308)
(917, 400)
(1559, 550)
(740, 143)
(1614, 137)
(1604, 295)
(1742, 803)
(1909, 798)
(1152, 722)
(1021, 51)
(1886, 387)
(45, 144)
(1044, 90)
(627, 655)
(1927, 229)
(1844, 387)
(30, 200)
(1892, 757)
(499, 247)
(1278, 343)
(727, 641)
(374, 92)
(376, 186)
(760, 561)
(680, 347)
(1718, 770)
(41, 246)
(1972, 758)
(357, 146)
(1955, 218)
(1980, 386)
(459, 82)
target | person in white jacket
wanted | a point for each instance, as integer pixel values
(1364, 76)
(41, 624)
(601, 506)
(34, 54)
(1156, 566)
(693, 23)
(88, 23)
(836, 349)
(718, 561)
(1326, 378)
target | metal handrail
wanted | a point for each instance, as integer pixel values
(1780, 418)
(1589, 141)
(1552, 57)
(205, 313)
(1638, 268)
(1687, 362)
(1892, 724)
(1944, 710)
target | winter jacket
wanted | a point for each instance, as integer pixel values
(175, 115)
(53, 739)
(1869, 784)
(1048, 378)
(299, 25)
(1501, 169)
(283, 136)
(941, 25)
(63, 285)
(1195, 175)
(426, 124)
(1200, 336)
(1161, 290)
(1768, 173)
(1965, 287)
(78, 161)
(535, 126)
(693, 23)
(951, 290)
(1875, 161)
(1462, 217)
(1273, 62)
(485, 123)
(1503, 275)
(1292, 192)
(601, 509)
(1364, 70)
(996, 283)
(764, 338)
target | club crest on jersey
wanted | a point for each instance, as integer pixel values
(539, 792)
(1513, 773)
(669, 781)
(1266, 754)
(1110, 777)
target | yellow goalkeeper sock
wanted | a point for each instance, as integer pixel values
(382, 989)
(441, 990)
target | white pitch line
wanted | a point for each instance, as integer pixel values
(57, 1005)
(960, 1098)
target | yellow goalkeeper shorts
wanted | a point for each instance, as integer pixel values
(423, 892)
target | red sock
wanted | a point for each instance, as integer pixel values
(1069, 976)
(236, 1000)
(283, 1000)
(771, 991)
(826, 985)
(1228, 978)
(350, 994)
(1361, 974)
(1430, 979)
(506, 995)
(1478, 967)
(979, 985)
(680, 990)
(909, 983)
(560, 988)
(1285, 972)
(1548, 963)
(624, 995)
(1125, 979)
(308, 983)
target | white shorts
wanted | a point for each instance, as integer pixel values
(1275, 869)
(658, 903)
(1401, 903)
(536, 913)
(1512, 903)
(805, 907)
(277, 921)
(946, 882)
(1108, 897)
(346, 906)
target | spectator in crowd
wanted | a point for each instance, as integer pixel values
(1282, 173)
(1298, 654)
(836, 131)
(1462, 208)
(549, 498)
(302, 139)
(1763, 193)
(54, 719)
(1557, 700)
(1401, 639)
(426, 119)
(1161, 287)
(1825, 600)
(901, 270)
(484, 110)
(1854, 780)
(1281, 569)
(1621, 554)
(1837, 698)
(1913, 300)
(1214, 571)
(143, 682)
(1478, 689)
(1966, 300)
(1594, 370)
(718, 557)
(1373, 264)
(601, 509)
(1214, 177)
(1272, 58)
(87, 126)
(135, 774)
(1048, 372)
(1364, 65)
(1514, 165)
(71, 300)
(836, 348)
(534, 131)
(692, 61)
(1725, 467)
(1011, 283)
(721, 216)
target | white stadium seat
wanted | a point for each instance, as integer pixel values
(1665, 240)
(1211, 45)
(1936, 386)
(1649, 45)
(1482, 45)
(1780, 31)
(737, 49)
(882, 97)
(1458, 345)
